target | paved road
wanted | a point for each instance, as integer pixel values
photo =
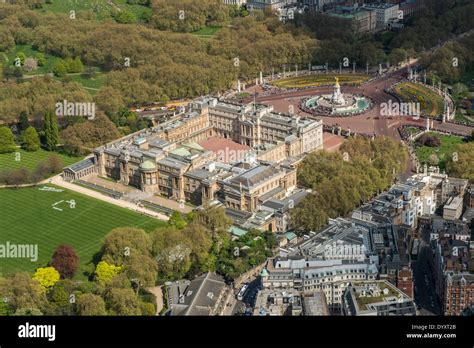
(425, 293)
(248, 302)
(369, 123)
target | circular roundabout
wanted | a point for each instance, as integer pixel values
(337, 104)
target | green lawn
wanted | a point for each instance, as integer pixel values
(91, 84)
(101, 8)
(447, 147)
(207, 31)
(29, 218)
(30, 52)
(30, 160)
(320, 79)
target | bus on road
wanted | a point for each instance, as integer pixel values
(241, 294)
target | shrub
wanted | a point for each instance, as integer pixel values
(429, 140)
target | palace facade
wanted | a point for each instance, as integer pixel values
(168, 160)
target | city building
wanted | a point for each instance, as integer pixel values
(269, 4)
(401, 204)
(410, 7)
(362, 19)
(235, 2)
(281, 208)
(384, 13)
(468, 215)
(310, 275)
(315, 304)
(440, 228)
(376, 298)
(202, 296)
(278, 302)
(453, 208)
(459, 293)
(452, 260)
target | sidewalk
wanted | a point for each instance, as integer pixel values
(159, 298)
(59, 181)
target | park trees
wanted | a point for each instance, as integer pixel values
(131, 248)
(42, 92)
(341, 182)
(41, 59)
(60, 69)
(105, 272)
(121, 301)
(7, 140)
(309, 215)
(120, 243)
(177, 220)
(6, 39)
(46, 276)
(90, 305)
(214, 219)
(188, 15)
(461, 164)
(59, 301)
(23, 122)
(30, 139)
(172, 251)
(51, 132)
(21, 291)
(80, 137)
(65, 261)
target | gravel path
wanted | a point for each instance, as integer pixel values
(59, 181)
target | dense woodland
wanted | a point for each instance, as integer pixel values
(166, 65)
(342, 181)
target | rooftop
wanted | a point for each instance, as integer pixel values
(81, 165)
(368, 293)
(198, 296)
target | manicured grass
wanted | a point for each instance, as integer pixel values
(447, 147)
(28, 218)
(91, 84)
(101, 8)
(137, 10)
(320, 79)
(30, 160)
(30, 52)
(430, 102)
(207, 31)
